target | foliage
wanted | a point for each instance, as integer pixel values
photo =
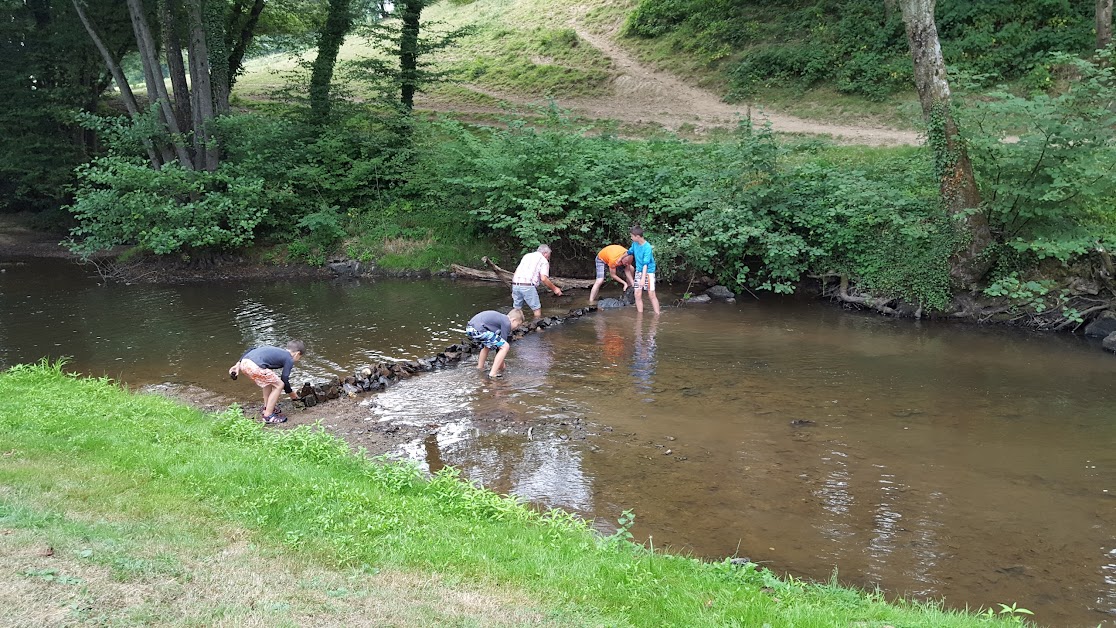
(858, 46)
(282, 179)
(728, 208)
(172, 209)
(1044, 162)
(532, 184)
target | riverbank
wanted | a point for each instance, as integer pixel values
(88, 465)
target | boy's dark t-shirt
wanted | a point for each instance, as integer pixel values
(493, 321)
(273, 358)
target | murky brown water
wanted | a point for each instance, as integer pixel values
(932, 460)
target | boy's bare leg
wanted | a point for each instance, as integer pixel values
(481, 358)
(593, 293)
(271, 397)
(639, 298)
(654, 301)
(498, 361)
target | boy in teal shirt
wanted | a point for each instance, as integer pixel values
(641, 273)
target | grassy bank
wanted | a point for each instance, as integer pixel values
(129, 509)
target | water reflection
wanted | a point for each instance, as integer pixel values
(523, 448)
(643, 360)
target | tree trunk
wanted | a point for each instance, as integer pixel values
(889, 8)
(408, 51)
(213, 28)
(1104, 23)
(337, 25)
(244, 33)
(117, 75)
(175, 65)
(202, 94)
(153, 70)
(959, 193)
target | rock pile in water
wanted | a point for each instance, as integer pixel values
(383, 374)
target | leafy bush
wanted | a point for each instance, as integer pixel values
(726, 208)
(1045, 163)
(280, 178)
(122, 200)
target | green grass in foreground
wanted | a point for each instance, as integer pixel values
(155, 513)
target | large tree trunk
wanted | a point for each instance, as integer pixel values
(153, 71)
(213, 28)
(201, 97)
(959, 193)
(117, 75)
(408, 51)
(175, 65)
(337, 25)
(1104, 23)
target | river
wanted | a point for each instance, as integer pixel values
(933, 460)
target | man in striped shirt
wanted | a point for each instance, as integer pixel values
(533, 268)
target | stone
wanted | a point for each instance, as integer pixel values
(720, 293)
(610, 304)
(1109, 342)
(347, 268)
(701, 298)
(1102, 326)
(732, 300)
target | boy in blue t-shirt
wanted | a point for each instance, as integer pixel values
(641, 273)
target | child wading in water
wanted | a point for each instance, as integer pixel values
(257, 364)
(643, 269)
(491, 329)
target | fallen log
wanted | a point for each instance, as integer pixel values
(499, 274)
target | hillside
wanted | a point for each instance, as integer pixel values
(526, 52)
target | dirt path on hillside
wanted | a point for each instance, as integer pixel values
(643, 95)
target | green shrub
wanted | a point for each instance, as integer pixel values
(122, 200)
(280, 178)
(1045, 163)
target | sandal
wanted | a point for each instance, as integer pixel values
(272, 419)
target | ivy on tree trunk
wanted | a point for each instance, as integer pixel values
(408, 51)
(338, 23)
(959, 193)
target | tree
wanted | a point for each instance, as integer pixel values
(1104, 23)
(958, 189)
(409, 51)
(402, 39)
(337, 25)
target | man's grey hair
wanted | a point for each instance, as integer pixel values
(544, 248)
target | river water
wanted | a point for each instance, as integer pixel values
(934, 460)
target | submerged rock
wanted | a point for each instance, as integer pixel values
(1109, 342)
(610, 304)
(701, 298)
(1102, 326)
(720, 293)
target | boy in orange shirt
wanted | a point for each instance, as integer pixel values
(612, 256)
